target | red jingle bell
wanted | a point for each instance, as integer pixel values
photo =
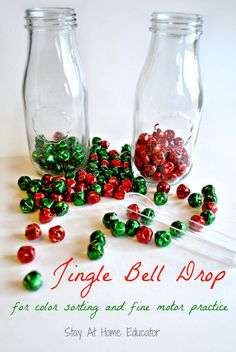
(116, 163)
(26, 254)
(32, 232)
(163, 187)
(113, 181)
(105, 144)
(132, 210)
(182, 191)
(168, 167)
(47, 180)
(69, 195)
(93, 157)
(127, 185)
(144, 235)
(169, 134)
(81, 175)
(209, 206)
(93, 197)
(81, 187)
(157, 176)
(56, 197)
(60, 177)
(56, 233)
(70, 183)
(125, 165)
(158, 133)
(119, 195)
(143, 138)
(164, 142)
(37, 198)
(196, 223)
(158, 158)
(45, 215)
(108, 190)
(113, 152)
(105, 162)
(178, 142)
(90, 179)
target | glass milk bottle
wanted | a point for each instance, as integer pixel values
(54, 93)
(168, 99)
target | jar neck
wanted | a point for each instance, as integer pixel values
(176, 24)
(50, 18)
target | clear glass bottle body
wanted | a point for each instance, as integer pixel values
(168, 99)
(54, 93)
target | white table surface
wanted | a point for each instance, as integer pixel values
(34, 331)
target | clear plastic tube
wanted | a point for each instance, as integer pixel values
(207, 242)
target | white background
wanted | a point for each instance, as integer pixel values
(113, 40)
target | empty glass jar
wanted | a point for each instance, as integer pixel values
(54, 93)
(168, 99)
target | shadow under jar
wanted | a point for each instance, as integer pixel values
(54, 93)
(168, 99)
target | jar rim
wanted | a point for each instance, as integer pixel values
(42, 11)
(179, 21)
(50, 17)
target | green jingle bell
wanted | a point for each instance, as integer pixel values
(109, 218)
(97, 188)
(117, 228)
(35, 186)
(160, 198)
(70, 175)
(132, 227)
(33, 281)
(96, 140)
(47, 191)
(195, 200)
(94, 149)
(45, 203)
(69, 168)
(92, 167)
(36, 155)
(208, 189)
(72, 141)
(102, 152)
(60, 208)
(23, 182)
(79, 198)
(59, 186)
(162, 238)
(139, 180)
(95, 250)
(98, 236)
(101, 180)
(129, 173)
(126, 148)
(211, 197)
(148, 217)
(140, 189)
(27, 205)
(63, 155)
(49, 160)
(208, 216)
(61, 145)
(178, 228)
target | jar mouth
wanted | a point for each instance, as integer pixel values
(176, 23)
(50, 18)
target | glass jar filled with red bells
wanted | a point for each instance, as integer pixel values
(54, 93)
(168, 99)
